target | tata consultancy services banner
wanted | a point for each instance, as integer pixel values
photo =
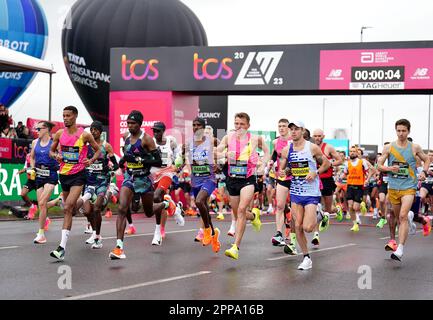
(295, 69)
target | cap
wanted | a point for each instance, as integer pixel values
(136, 116)
(159, 126)
(201, 121)
(97, 125)
(298, 124)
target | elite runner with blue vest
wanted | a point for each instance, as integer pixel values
(304, 161)
(402, 178)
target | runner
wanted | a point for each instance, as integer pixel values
(426, 191)
(46, 175)
(402, 178)
(29, 186)
(72, 142)
(140, 154)
(199, 156)
(241, 152)
(302, 158)
(383, 197)
(355, 169)
(327, 178)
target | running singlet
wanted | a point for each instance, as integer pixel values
(280, 145)
(301, 164)
(44, 165)
(98, 170)
(136, 150)
(244, 164)
(405, 178)
(74, 151)
(330, 172)
(167, 157)
(355, 175)
(201, 160)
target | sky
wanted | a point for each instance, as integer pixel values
(258, 22)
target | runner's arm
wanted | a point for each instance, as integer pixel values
(111, 156)
(335, 155)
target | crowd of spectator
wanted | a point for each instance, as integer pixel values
(7, 129)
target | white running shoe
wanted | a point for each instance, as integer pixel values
(157, 239)
(91, 240)
(232, 231)
(40, 239)
(97, 244)
(88, 229)
(178, 216)
(358, 219)
(375, 214)
(306, 264)
(270, 209)
(412, 225)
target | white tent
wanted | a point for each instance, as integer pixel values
(14, 61)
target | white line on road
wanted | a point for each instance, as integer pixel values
(135, 286)
(313, 251)
(384, 238)
(12, 247)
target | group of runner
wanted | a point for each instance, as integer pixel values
(300, 175)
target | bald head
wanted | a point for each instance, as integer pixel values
(318, 136)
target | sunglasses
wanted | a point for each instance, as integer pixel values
(156, 130)
(39, 129)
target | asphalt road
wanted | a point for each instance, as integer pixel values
(183, 269)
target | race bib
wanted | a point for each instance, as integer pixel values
(300, 169)
(42, 172)
(203, 170)
(70, 154)
(239, 170)
(96, 167)
(403, 171)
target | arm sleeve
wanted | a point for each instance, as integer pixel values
(114, 162)
(274, 156)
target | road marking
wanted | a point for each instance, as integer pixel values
(314, 251)
(12, 247)
(135, 286)
(384, 238)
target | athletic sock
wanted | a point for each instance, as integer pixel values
(41, 232)
(119, 243)
(65, 236)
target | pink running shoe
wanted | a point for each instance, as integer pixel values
(47, 224)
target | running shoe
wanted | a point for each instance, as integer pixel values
(278, 240)
(391, 245)
(339, 213)
(199, 236)
(88, 229)
(270, 209)
(163, 232)
(324, 224)
(348, 216)
(363, 208)
(216, 245)
(426, 229)
(59, 253)
(233, 252)
(178, 216)
(108, 213)
(412, 225)
(375, 214)
(47, 224)
(40, 239)
(97, 244)
(355, 227)
(114, 199)
(232, 231)
(220, 216)
(316, 240)
(130, 230)
(287, 233)
(306, 264)
(396, 256)
(358, 219)
(91, 240)
(381, 223)
(32, 212)
(256, 223)
(207, 236)
(171, 205)
(157, 238)
(290, 249)
(117, 253)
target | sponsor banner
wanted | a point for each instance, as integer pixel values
(381, 69)
(32, 124)
(11, 183)
(369, 150)
(339, 144)
(268, 136)
(274, 68)
(214, 110)
(14, 150)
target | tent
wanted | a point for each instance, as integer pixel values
(14, 61)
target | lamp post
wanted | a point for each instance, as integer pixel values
(360, 96)
(323, 114)
(429, 112)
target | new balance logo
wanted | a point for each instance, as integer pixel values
(258, 68)
(420, 72)
(335, 73)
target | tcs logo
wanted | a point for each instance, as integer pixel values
(144, 71)
(218, 69)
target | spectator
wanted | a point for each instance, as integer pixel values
(22, 131)
(5, 120)
(9, 132)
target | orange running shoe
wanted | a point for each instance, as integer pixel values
(32, 211)
(47, 224)
(216, 245)
(117, 253)
(391, 245)
(426, 229)
(171, 205)
(207, 236)
(131, 230)
(108, 213)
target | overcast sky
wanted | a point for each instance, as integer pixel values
(255, 22)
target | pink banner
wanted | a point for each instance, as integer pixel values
(384, 69)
